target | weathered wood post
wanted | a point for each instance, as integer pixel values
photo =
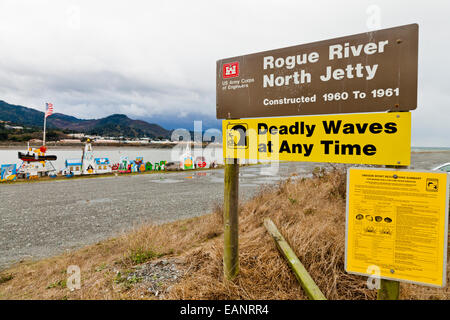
(230, 219)
(311, 289)
(389, 289)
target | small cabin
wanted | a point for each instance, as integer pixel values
(74, 166)
(102, 165)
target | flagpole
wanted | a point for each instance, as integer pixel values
(45, 123)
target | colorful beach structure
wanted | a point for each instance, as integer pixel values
(8, 172)
(88, 160)
(186, 159)
(102, 165)
(35, 164)
(73, 166)
(124, 165)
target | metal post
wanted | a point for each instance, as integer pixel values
(230, 219)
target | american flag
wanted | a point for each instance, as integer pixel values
(48, 109)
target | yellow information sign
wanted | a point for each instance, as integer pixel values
(375, 138)
(397, 225)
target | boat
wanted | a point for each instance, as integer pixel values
(31, 157)
(35, 162)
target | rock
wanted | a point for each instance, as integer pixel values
(157, 276)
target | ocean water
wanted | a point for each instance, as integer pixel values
(424, 149)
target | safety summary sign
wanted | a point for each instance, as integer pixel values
(375, 138)
(397, 224)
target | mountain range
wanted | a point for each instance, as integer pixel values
(114, 125)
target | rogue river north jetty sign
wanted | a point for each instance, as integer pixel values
(368, 72)
(349, 97)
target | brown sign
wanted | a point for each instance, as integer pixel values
(368, 72)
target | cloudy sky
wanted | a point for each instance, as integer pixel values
(155, 60)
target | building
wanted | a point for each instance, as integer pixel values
(76, 135)
(7, 126)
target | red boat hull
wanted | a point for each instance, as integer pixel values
(32, 158)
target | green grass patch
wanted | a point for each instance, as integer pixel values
(140, 256)
(58, 284)
(125, 280)
(101, 267)
(6, 278)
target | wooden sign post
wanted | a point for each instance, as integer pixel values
(390, 289)
(230, 219)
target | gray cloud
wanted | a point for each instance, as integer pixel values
(156, 60)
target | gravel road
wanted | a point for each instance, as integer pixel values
(45, 218)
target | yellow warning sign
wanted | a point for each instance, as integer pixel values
(376, 138)
(397, 225)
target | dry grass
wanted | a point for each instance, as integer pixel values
(100, 263)
(310, 213)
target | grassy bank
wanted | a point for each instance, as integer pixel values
(310, 213)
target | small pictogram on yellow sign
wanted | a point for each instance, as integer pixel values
(237, 136)
(432, 185)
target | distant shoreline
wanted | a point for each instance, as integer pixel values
(430, 150)
(72, 146)
(100, 146)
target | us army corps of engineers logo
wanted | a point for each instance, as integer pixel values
(230, 70)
